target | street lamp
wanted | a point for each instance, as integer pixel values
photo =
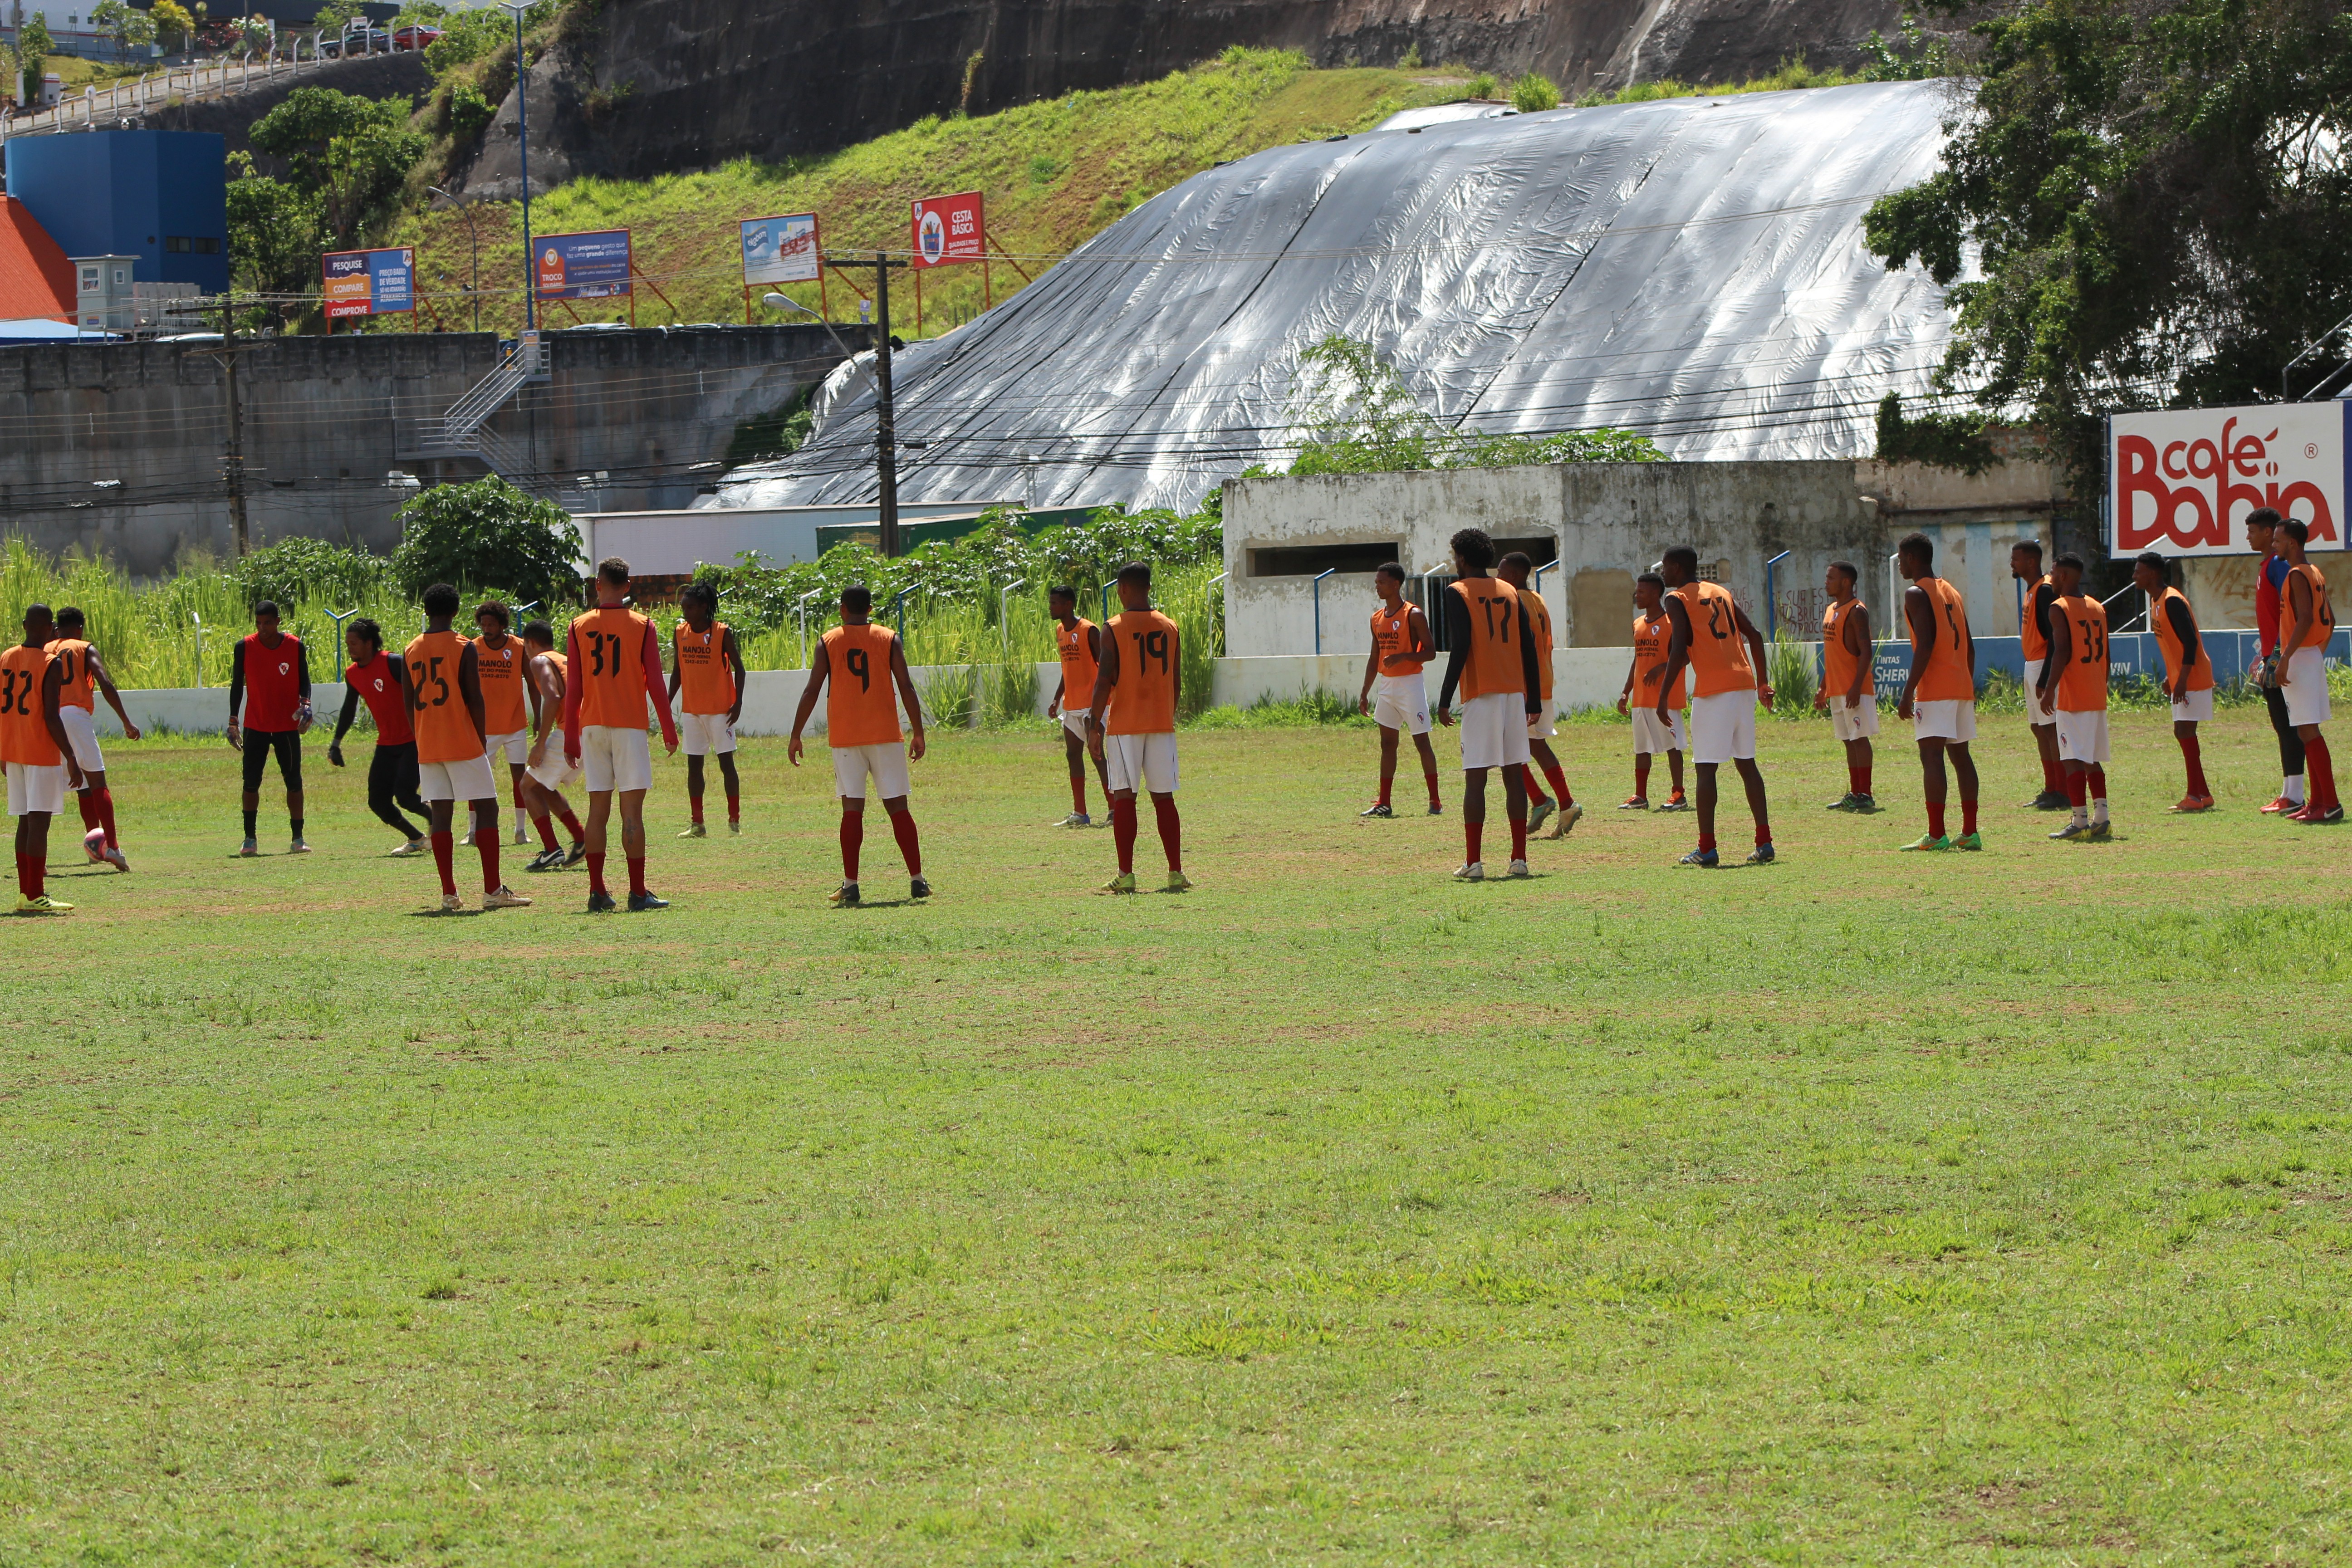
(786, 303)
(522, 135)
(467, 214)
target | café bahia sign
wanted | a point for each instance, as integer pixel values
(2181, 482)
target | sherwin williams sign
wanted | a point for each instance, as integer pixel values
(780, 249)
(950, 228)
(581, 266)
(368, 282)
(2181, 483)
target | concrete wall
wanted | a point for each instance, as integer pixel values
(117, 448)
(1612, 521)
(672, 544)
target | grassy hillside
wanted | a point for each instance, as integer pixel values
(1053, 173)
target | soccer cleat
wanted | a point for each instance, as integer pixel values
(1676, 803)
(1634, 802)
(467, 842)
(1378, 808)
(639, 903)
(1178, 883)
(2049, 800)
(918, 888)
(1122, 883)
(116, 858)
(1539, 814)
(1475, 871)
(2102, 831)
(1076, 819)
(601, 904)
(93, 845)
(1863, 804)
(42, 905)
(1705, 859)
(695, 830)
(1437, 809)
(545, 861)
(1843, 803)
(298, 848)
(1969, 841)
(1519, 870)
(249, 849)
(2072, 833)
(2328, 818)
(577, 852)
(451, 904)
(409, 850)
(2189, 805)
(1567, 823)
(844, 897)
(2281, 806)
(1929, 841)
(735, 827)
(505, 898)
(1762, 855)
(521, 836)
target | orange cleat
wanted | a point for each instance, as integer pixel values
(2281, 806)
(2191, 804)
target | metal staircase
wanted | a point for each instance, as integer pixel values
(463, 430)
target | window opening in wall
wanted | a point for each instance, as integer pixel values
(1313, 560)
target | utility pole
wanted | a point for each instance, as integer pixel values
(233, 469)
(885, 425)
(522, 134)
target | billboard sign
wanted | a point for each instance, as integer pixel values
(950, 228)
(581, 266)
(369, 282)
(781, 249)
(2181, 483)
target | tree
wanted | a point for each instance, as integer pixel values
(274, 233)
(130, 29)
(34, 44)
(175, 28)
(488, 534)
(2158, 200)
(350, 153)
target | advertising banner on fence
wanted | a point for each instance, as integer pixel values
(583, 265)
(781, 249)
(368, 282)
(2184, 481)
(950, 228)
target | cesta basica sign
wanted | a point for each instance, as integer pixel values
(950, 228)
(2182, 482)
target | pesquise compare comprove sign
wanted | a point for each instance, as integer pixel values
(2181, 482)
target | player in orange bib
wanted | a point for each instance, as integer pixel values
(1940, 696)
(1132, 724)
(507, 700)
(1400, 650)
(2309, 619)
(1652, 737)
(1849, 694)
(84, 670)
(1513, 568)
(546, 770)
(706, 680)
(440, 672)
(1079, 645)
(613, 668)
(2033, 637)
(861, 669)
(1720, 646)
(2188, 672)
(36, 754)
(2074, 686)
(1491, 659)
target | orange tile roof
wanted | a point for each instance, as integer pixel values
(35, 278)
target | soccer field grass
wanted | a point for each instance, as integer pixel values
(1866, 1208)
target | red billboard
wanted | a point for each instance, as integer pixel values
(950, 228)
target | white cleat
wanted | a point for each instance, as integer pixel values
(1567, 823)
(409, 850)
(116, 858)
(521, 836)
(1475, 871)
(451, 904)
(1519, 870)
(505, 898)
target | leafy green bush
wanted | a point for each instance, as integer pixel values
(295, 570)
(488, 534)
(1793, 673)
(1532, 94)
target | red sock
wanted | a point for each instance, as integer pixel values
(1429, 777)
(1518, 838)
(1078, 794)
(1559, 785)
(1171, 831)
(546, 825)
(597, 871)
(853, 835)
(445, 856)
(106, 815)
(2192, 752)
(488, 844)
(1536, 795)
(2078, 787)
(36, 872)
(902, 827)
(1968, 816)
(2319, 773)
(1935, 819)
(1384, 789)
(2054, 775)
(1122, 832)
(638, 875)
(1763, 833)
(2094, 780)
(1857, 779)
(87, 800)
(1642, 775)
(1471, 833)
(23, 877)
(694, 807)
(734, 808)
(1707, 841)
(571, 823)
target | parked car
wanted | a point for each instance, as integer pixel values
(414, 36)
(358, 41)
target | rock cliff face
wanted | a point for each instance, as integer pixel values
(659, 85)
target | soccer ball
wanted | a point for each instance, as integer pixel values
(93, 844)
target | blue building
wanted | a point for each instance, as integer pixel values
(159, 196)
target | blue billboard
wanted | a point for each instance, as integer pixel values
(368, 282)
(583, 265)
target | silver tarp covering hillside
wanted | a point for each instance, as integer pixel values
(1690, 268)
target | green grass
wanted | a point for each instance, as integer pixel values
(1874, 1208)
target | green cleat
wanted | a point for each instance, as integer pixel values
(2072, 833)
(1929, 841)
(1969, 841)
(42, 905)
(1843, 803)
(695, 830)
(1177, 882)
(2102, 832)
(1122, 883)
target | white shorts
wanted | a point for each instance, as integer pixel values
(1651, 738)
(1495, 731)
(2038, 712)
(2306, 686)
(468, 778)
(613, 758)
(1147, 762)
(1074, 720)
(1723, 727)
(32, 789)
(2083, 737)
(552, 771)
(517, 747)
(1952, 719)
(1859, 722)
(2196, 711)
(705, 734)
(82, 732)
(1401, 702)
(887, 761)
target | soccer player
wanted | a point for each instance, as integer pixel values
(862, 669)
(1401, 649)
(38, 755)
(1131, 724)
(1513, 568)
(1848, 692)
(2073, 686)
(1714, 638)
(547, 772)
(507, 701)
(613, 666)
(2033, 635)
(83, 668)
(374, 677)
(2270, 581)
(707, 666)
(1078, 643)
(1492, 659)
(441, 677)
(2188, 672)
(1653, 631)
(268, 712)
(2303, 671)
(1939, 696)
